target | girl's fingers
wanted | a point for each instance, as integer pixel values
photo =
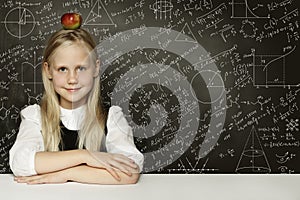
(121, 167)
(29, 180)
(113, 163)
(36, 181)
(21, 179)
(128, 170)
(108, 159)
(41, 179)
(113, 173)
(126, 161)
(132, 170)
(18, 179)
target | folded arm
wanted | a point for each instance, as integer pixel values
(81, 174)
(47, 162)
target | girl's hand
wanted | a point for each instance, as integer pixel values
(112, 162)
(54, 177)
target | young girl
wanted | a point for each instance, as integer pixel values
(63, 139)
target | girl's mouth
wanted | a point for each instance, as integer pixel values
(72, 89)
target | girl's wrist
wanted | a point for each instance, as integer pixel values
(67, 174)
(83, 156)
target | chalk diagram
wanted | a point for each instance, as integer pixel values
(4, 112)
(214, 82)
(253, 158)
(292, 125)
(182, 36)
(248, 29)
(241, 10)
(19, 22)
(192, 168)
(283, 160)
(98, 15)
(32, 99)
(31, 68)
(266, 72)
(12, 113)
(162, 9)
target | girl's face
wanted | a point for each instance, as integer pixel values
(72, 72)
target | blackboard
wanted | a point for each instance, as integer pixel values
(208, 86)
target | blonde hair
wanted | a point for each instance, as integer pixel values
(92, 128)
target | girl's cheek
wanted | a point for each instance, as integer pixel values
(60, 78)
(85, 77)
(59, 82)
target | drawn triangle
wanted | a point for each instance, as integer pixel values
(98, 15)
(186, 31)
(215, 81)
(253, 143)
(23, 18)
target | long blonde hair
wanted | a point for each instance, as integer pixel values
(92, 128)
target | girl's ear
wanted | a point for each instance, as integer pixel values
(97, 69)
(47, 70)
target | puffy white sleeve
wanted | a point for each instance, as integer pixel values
(119, 138)
(29, 141)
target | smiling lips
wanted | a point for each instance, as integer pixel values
(72, 89)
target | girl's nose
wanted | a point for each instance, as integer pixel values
(73, 77)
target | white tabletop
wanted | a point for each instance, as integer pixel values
(163, 187)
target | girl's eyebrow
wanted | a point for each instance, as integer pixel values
(66, 65)
(83, 64)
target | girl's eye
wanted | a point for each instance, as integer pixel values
(62, 69)
(81, 68)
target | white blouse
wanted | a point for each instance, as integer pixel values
(119, 138)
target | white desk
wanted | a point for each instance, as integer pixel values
(163, 187)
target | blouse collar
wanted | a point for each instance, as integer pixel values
(72, 118)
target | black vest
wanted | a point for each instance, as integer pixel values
(70, 139)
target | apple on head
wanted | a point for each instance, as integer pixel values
(71, 21)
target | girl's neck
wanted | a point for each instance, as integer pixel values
(72, 108)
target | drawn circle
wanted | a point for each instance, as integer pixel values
(19, 22)
(151, 37)
(248, 29)
(162, 6)
(215, 82)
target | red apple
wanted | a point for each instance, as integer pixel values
(71, 21)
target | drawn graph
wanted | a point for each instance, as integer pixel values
(98, 15)
(162, 9)
(253, 158)
(240, 9)
(272, 70)
(31, 68)
(19, 22)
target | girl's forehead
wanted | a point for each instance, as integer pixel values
(68, 45)
(71, 51)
